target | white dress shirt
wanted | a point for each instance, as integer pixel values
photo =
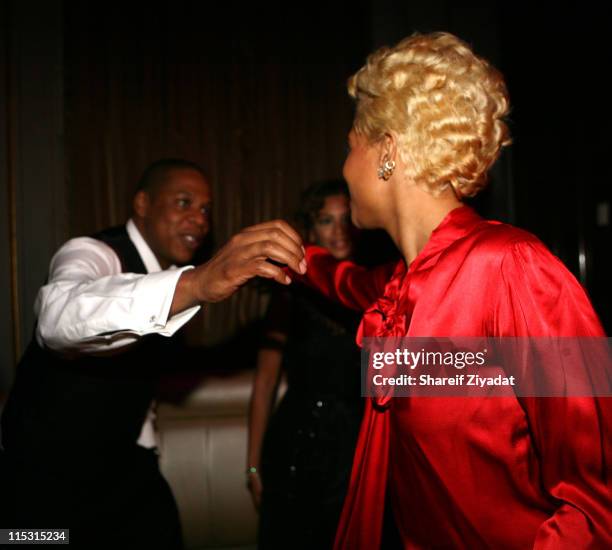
(89, 306)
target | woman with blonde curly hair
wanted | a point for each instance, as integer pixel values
(459, 472)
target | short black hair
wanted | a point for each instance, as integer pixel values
(157, 173)
(313, 199)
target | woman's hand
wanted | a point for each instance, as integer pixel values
(255, 487)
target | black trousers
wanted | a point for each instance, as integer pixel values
(123, 502)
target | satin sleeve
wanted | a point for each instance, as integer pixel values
(354, 286)
(572, 435)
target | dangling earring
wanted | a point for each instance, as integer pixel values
(386, 170)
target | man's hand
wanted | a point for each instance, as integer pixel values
(246, 255)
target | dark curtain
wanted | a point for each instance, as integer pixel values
(256, 96)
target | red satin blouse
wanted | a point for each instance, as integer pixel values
(471, 473)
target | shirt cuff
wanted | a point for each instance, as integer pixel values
(154, 309)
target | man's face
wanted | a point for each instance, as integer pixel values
(175, 218)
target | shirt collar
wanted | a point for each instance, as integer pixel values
(146, 254)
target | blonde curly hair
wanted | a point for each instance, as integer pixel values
(445, 104)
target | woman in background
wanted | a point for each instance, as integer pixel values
(299, 480)
(460, 473)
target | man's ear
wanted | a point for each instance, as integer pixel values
(141, 204)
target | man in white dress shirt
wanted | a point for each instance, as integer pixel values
(77, 428)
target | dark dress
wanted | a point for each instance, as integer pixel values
(309, 445)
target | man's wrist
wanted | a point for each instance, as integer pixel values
(186, 293)
(199, 285)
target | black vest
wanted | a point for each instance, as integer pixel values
(93, 405)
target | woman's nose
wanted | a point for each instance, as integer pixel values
(340, 229)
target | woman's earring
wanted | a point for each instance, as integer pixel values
(386, 170)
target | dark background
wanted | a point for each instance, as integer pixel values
(91, 92)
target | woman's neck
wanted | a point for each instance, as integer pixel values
(417, 214)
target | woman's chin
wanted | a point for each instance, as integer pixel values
(361, 223)
(355, 219)
(341, 254)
